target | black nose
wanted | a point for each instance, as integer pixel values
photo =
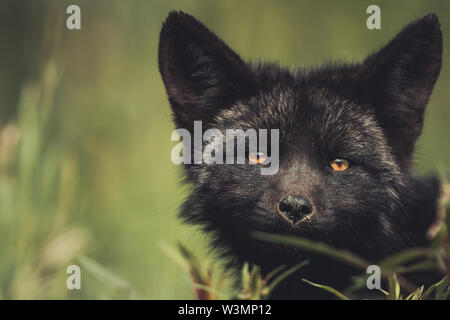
(295, 207)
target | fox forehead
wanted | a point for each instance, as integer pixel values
(316, 117)
(287, 109)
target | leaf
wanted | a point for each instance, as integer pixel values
(245, 276)
(327, 288)
(274, 272)
(420, 266)
(394, 288)
(384, 292)
(104, 275)
(433, 287)
(255, 283)
(201, 274)
(416, 294)
(195, 268)
(442, 289)
(284, 275)
(316, 247)
(176, 256)
(403, 257)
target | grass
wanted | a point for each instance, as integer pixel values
(254, 286)
(39, 181)
(85, 170)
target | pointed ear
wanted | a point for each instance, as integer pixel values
(398, 81)
(200, 72)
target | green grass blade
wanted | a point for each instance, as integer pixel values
(104, 275)
(327, 288)
(403, 257)
(284, 275)
(394, 288)
(316, 247)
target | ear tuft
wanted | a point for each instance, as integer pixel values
(431, 19)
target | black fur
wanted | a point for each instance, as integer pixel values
(369, 113)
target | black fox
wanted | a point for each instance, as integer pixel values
(347, 138)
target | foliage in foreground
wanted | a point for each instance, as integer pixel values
(208, 281)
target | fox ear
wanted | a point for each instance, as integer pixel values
(398, 81)
(200, 72)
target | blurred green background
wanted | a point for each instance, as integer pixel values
(85, 170)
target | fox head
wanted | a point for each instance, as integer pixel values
(346, 140)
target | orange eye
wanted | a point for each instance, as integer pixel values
(257, 157)
(339, 164)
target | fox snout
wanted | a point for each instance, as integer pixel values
(295, 208)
